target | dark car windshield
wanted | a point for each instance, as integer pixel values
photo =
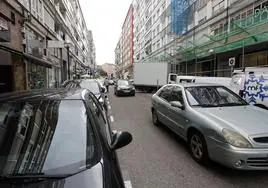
(51, 137)
(91, 85)
(122, 82)
(212, 96)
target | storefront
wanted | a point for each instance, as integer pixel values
(37, 71)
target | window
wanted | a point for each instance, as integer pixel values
(176, 94)
(213, 96)
(13, 18)
(165, 93)
(217, 6)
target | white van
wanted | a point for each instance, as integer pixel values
(251, 83)
(225, 81)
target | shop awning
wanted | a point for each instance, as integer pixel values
(37, 60)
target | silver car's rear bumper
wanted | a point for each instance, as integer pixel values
(244, 159)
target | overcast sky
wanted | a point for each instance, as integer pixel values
(105, 18)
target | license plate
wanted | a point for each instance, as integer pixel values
(126, 91)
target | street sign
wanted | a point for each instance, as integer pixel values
(36, 43)
(232, 61)
(55, 44)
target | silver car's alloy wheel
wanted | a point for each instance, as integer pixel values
(197, 146)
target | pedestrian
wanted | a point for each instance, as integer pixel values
(106, 84)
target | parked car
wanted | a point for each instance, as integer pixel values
(70, 84)
(98, 90)
(216, 123)
(92, 85)
(58, 138)
(124, 87)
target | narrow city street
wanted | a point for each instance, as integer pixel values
(158, 158)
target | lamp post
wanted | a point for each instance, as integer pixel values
(212, 51)
(67, 45)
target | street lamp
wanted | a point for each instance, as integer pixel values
(67, 45)
(212, 51)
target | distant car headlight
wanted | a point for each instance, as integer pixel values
(235, 139)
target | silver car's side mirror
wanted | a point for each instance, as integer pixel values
(177, 104)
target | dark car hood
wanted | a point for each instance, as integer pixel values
(91, 178)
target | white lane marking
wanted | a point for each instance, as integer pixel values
(112, 118)
(109, 107)
(128, 184)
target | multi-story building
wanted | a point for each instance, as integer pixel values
(222, 29)
(128, 43)
(199, 36)
(12, 66)
(92, 51)
(109, 68)
(118, 59)
(51, 39)
(151, 21)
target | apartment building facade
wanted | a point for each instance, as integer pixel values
(92, 51)
(118, 59)
(128, 43)
(197, 37)
(11, 63)
(50, 39)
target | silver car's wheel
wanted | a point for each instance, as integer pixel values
(155, 118)
(198, 147)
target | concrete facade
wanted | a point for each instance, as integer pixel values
(128, 43)
(49, 37)
(12, 67)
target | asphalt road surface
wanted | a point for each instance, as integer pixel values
(158, 158)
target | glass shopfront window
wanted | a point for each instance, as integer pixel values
(54, 76)
(36, 76)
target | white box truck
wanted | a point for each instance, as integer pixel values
(152, 75)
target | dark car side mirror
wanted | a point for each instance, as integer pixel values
(103, 89)
(120, 139)
(177, 104)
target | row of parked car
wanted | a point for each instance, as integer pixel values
(216, 123)
(59, 138)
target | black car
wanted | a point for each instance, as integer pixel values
(57, 138)
(92, 85)
(124, 87)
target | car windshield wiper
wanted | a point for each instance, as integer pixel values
(209, 105)
(234, 104)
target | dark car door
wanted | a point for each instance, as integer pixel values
(110, 161)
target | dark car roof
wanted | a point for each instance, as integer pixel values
(44, 94)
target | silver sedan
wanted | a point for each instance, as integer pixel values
(216, 123)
